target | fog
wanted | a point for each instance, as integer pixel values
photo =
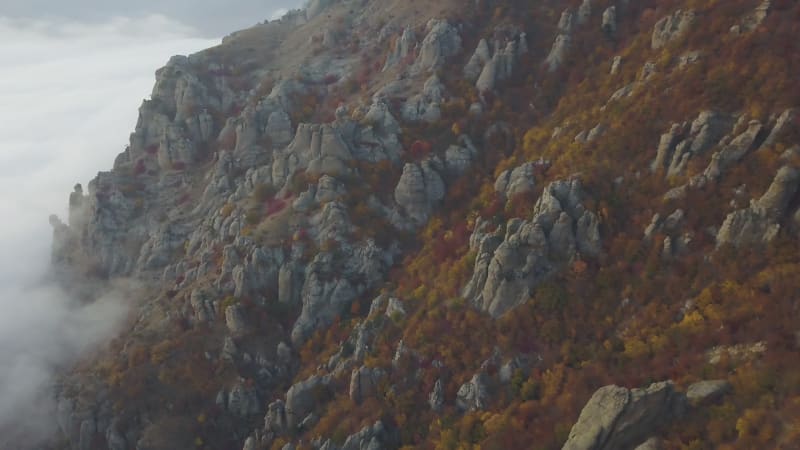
(69, 94)
(210, 18)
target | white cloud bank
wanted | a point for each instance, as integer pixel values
(69, 94)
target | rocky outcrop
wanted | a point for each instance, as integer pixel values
(620, 418)
(609, 23)
(420, 189)
(487, 68)
(334, 279)
(474, 394)
(243, 401)
(558, 53)
(707, 391)
(442, 43)
(436, 397)
(512, 262)
(753, 20)
(403, 47)
(749, 140)
(584, 12)
(760, 222)
(672, 27)
(375, 437)
(365, 382)
(516, 181)
(683, 141)
(425, 106)
(782, 124)
(301, 399)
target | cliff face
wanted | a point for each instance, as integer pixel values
(384, 224)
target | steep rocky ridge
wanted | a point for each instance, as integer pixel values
(385, 224)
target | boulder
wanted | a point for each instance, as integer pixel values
(618, 418)
(707, 391)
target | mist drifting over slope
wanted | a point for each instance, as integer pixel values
(68, 100)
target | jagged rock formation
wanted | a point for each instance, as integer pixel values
(511, 263)
(487, 67)
(760, 222)
(684, 141)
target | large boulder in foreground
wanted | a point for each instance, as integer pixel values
(617, 418)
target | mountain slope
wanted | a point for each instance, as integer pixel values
(388, 224)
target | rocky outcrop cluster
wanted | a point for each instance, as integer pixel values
(685, 141)
(761, 221)
(490, 65)
(513, 260)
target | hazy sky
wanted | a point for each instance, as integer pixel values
(210, 17)
(72, 76)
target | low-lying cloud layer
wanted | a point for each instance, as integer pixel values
(210, 17)
(68, 100)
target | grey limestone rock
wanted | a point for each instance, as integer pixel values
(618, 418)
(672, 27)
(707, 391)
(558, 53)
(760, 222)
(243, 401)
(650, 444)
(584, 12)
(365, 382)
(565, 21)
(442, 42)
(403, 47)
(516, 181)
(510, 266)
(436, 397)
(425, 106)
(474, 394)
(234, 319)
(747, 141)
(609, 23)
(302, 397)
(275, 420)
(419, 190)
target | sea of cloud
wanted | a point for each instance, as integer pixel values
(69, 93)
